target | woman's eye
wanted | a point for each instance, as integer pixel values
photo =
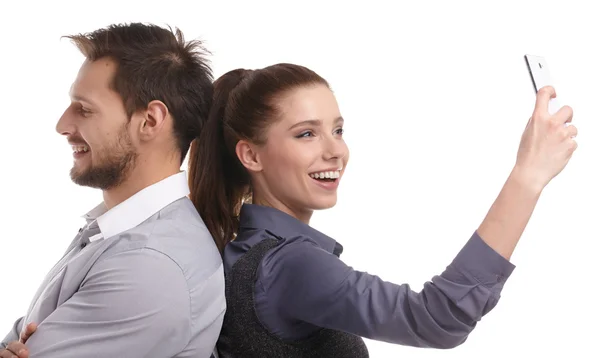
(305, 134)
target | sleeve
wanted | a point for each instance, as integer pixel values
(134, 303)
(309, 284)
(14, 334)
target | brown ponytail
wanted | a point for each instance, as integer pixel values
(218, 182)
(243, 106)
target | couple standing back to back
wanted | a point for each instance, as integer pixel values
(171, 265)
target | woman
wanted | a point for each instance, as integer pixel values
(275, 138)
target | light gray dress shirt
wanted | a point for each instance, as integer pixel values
(143, 279)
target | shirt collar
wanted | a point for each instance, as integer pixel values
(138, 208)
(254, 216)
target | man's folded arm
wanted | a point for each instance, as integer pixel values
(133, 304)
(14, 333)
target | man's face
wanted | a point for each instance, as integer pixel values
(97, 127)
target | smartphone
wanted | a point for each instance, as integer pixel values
(540, 76)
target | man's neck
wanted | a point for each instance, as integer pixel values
(139, 178)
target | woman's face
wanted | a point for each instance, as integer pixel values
(300, 165)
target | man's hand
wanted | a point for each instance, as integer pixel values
(17, 349)
(29, 330)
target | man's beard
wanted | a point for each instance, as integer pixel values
(115, 164)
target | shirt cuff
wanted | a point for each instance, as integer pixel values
(483, 263)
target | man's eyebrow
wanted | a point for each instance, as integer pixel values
(82, 98)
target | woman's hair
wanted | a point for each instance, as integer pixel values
(244, 105)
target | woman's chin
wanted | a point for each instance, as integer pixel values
(325, 203)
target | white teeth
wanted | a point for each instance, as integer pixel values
(326, 175)
(80, 148)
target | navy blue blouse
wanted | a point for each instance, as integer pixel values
(303, 285)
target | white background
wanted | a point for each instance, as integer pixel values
(435, 96)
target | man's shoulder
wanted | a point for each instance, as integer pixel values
(177, 232)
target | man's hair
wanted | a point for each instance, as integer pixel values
(155, 63)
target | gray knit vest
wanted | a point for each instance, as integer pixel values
(243, 335)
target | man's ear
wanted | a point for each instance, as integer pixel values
(248, 156)
(153, 120)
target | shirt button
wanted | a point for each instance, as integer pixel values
(83, 244)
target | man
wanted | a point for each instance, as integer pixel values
(143, 277)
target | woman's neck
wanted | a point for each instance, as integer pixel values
(302, 215)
